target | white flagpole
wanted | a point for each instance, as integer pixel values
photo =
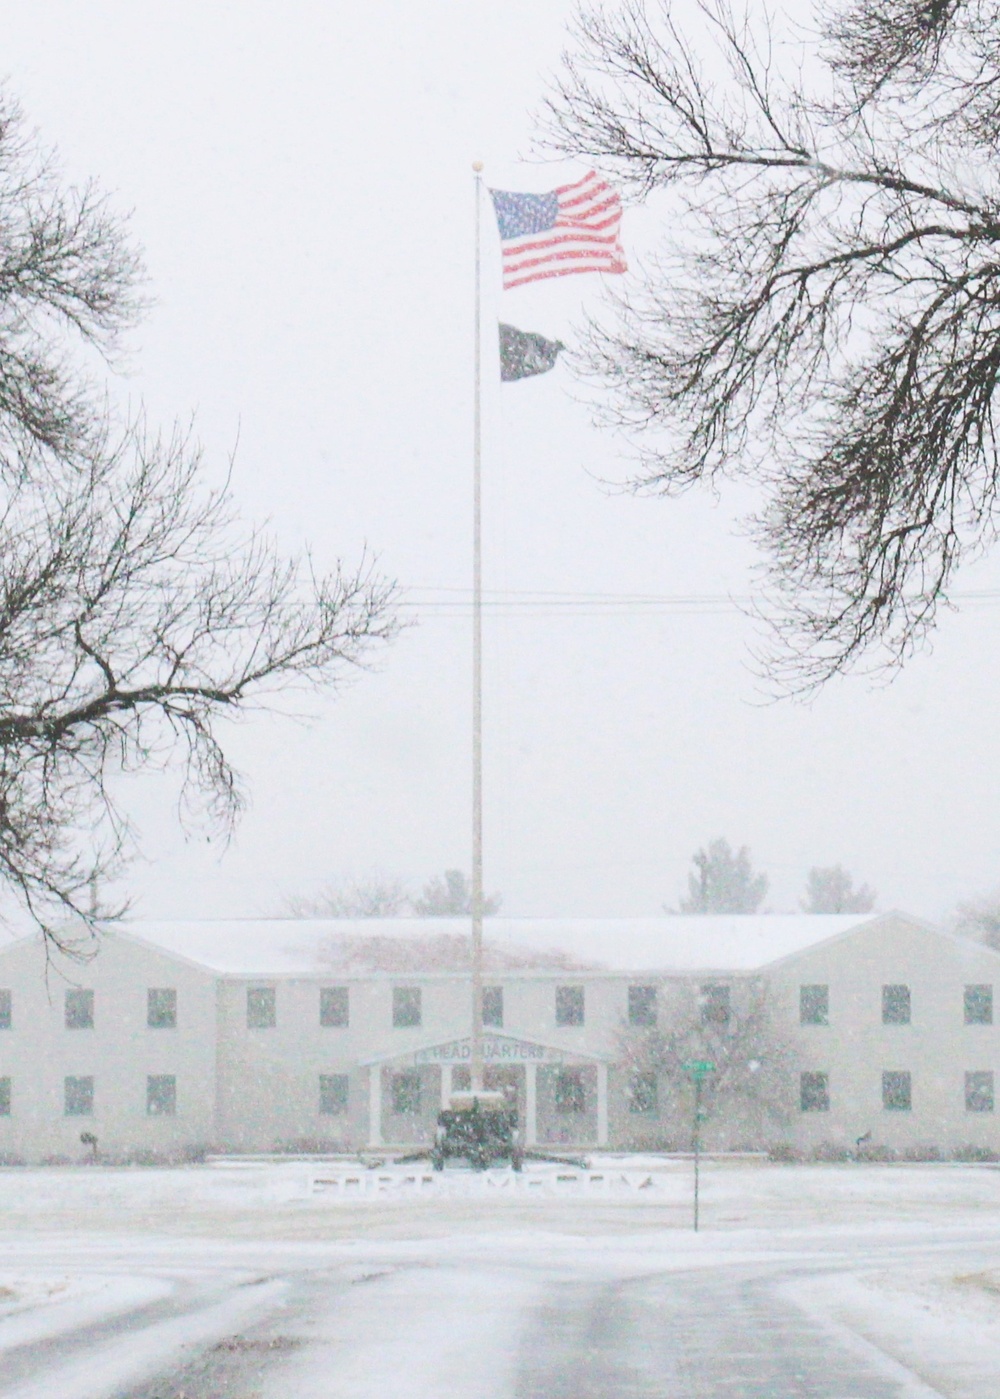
(477, 672)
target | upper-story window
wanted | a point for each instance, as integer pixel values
(4, 1097)
(334, 1007)
(895, 1005)
(262, 1008)
(642, 1005)
(716, 1006)
(6, 1010)
(407, 1010)
(979, 1005)
(814, 1005)
(493, 1007)
(79, 1009)
(161, 1008)
(569, 1005)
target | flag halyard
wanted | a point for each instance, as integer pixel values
(571, 229)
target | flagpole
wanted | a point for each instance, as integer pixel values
(477, 668)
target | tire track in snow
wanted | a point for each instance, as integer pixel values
(96, 1361)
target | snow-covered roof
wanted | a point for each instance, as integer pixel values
(290, 946)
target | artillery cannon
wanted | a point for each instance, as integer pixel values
(481, 1128)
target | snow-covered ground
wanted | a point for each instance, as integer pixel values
(306, 1199)
(301, 1278)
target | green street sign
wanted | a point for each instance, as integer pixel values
(698, 1067)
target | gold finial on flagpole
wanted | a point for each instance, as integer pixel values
(477, 165)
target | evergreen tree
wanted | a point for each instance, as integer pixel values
(451, 897)
(724, 881)
(832, 891)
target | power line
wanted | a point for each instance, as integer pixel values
(447, 601)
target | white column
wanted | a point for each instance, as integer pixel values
(531, 1104)
(446, 1085)
(602, 1105)
(375, 1105)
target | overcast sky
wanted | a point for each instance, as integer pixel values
(299, 176)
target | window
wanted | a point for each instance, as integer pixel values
(262, 1012)
(405, 1092)
(895, 1005)
(333, 1089)
(642, 1005)
(406, 1009)
(570, 1095)
(79, 1010)
(814, 1005)
(569, 1005)
(715, 1006)
(979, 1092)
(642, 1092)
(334, 1007)
(4, 1097)
(6, 1010)
(78, 1096)
(979, 1005)
(161, 1008)
(493, 1007)
(814, 1092)
(896, 1091)
(161, 1095)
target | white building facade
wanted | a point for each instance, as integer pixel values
(177, 1039)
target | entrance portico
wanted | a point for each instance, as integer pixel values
(561, 1095)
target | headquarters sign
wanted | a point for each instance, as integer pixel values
(497, 1049)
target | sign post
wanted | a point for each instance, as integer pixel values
(699, 1069)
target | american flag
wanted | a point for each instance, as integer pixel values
(571, 229)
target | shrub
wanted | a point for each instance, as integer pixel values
(783, 1152)
(971, 1153)
(831, 1151)
(923, 1152)
(876, 1151)
(666, 1146)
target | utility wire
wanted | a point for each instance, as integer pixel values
(445, 601)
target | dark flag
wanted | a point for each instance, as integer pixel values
(523, 353)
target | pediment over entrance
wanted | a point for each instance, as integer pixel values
(497, 1050)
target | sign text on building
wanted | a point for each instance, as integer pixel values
(496, 1050)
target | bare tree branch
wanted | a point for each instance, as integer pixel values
(824, 317)
(134, 612)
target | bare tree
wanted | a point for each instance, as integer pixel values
(402, 953)
(451, 897)
(69, 278)
(724, 881)
(134, 614)
(376, 896)
(831, 890)
(824, 318)
(732, 1027)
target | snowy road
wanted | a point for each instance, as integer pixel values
(480, 1303)
(498, 1317)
